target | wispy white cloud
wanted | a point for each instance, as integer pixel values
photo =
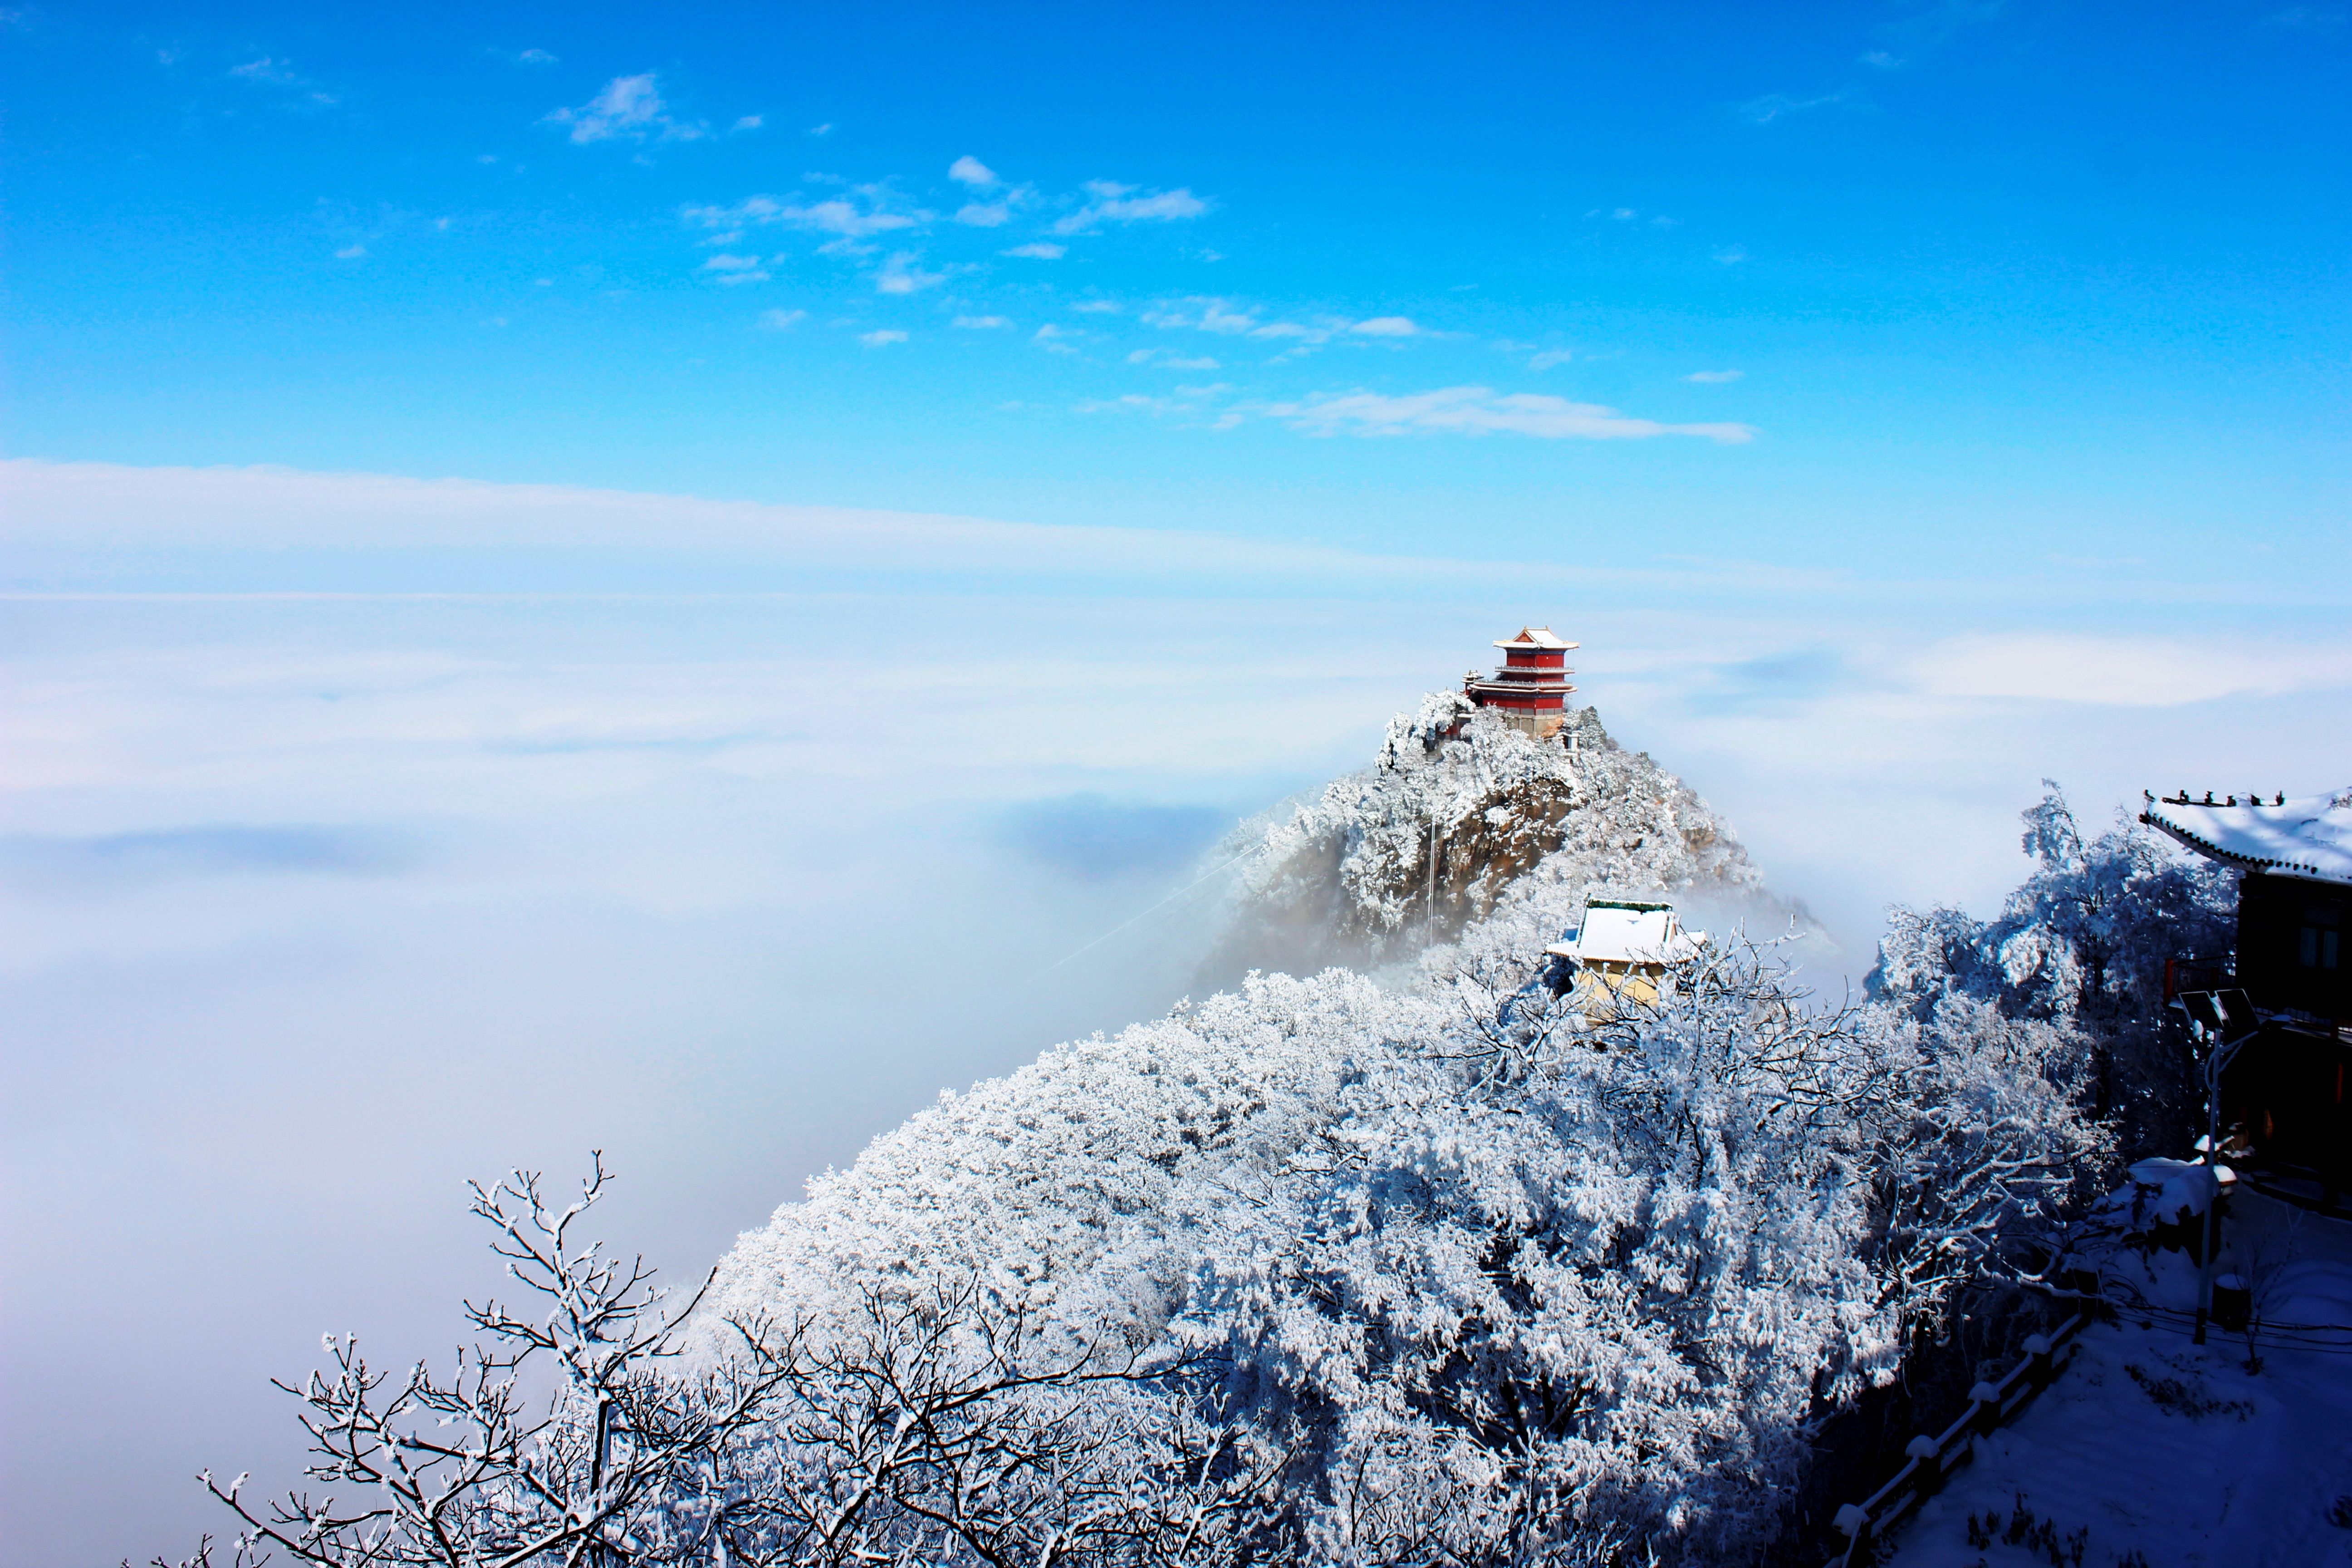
(2307, 18)
(1732, 255)
(1053, 338)
(1480, 411)
(1039, 251)
(1774, 106)
(997, 213)
(1880, 59)
(630, 109)
(852, 219)
(1226, 318)
(881, 339)
(981, 323)
(782, 321)
(748, 122)
(350, 253)
(726, 268)
(535, 58)
(1550, 358)
(1096, 307)
(1628, 214)
(1109, 202)
(1713, 377)
(1194, 405)
(1205, 314)
(900, 275)
(271, 71)
(1166, 360)
(268, 72)
(823, 130)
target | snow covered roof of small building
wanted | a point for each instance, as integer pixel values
(1535, 637)
(2310, 837)
(1615, 932)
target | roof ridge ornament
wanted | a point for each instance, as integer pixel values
(2309, 838)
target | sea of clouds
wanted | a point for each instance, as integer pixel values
(361, 835)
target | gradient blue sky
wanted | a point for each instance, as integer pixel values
(564, 581)
(1995, 287)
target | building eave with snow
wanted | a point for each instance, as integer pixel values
(2309, 838)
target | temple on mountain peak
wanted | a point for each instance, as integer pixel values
(1530, 690)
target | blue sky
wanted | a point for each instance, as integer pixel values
(536, 612)
(1977, 286)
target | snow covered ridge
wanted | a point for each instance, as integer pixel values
(1456, 814)
(1478, 1279)
(1488, 1279)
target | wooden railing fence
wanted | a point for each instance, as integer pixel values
(1934, 1459)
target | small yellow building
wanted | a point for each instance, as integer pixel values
(1625, 947)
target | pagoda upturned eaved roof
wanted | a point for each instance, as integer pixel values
(1535, 637)
(2311, 839)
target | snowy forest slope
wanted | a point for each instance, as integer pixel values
(1492, 1280)
(1453, 1262)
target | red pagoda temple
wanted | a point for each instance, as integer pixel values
(1530, 690)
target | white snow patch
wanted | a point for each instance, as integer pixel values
(2175, 1450)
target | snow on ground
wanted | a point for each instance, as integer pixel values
(2172, 1450)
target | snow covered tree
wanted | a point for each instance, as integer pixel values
(626, 1461)
(2082, 945)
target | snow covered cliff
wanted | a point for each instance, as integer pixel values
(1460, 812)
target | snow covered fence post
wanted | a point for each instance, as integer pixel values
(1854, 1522)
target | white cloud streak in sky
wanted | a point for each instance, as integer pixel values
(1228, 318)
(1110, 201)
(1482, 411)
(727, 268)
(1776, 106)
(863, 213)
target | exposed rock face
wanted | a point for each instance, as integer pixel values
(1458, 808)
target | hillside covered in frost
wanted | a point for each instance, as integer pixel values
(1435, 1266)
(1460, 812)
(1440, 1261)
